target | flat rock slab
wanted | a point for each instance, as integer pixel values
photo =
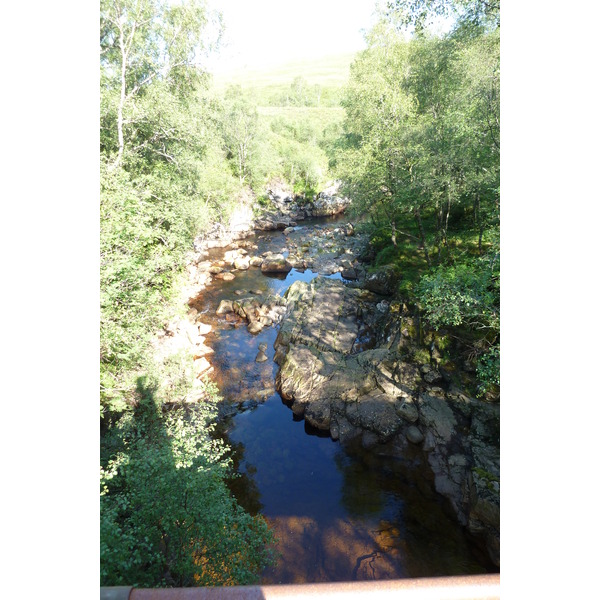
(322, 315)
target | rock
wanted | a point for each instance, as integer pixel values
(225, 306)
(432, 376)
(202, 367)
(242, 263)
(383, 281)
(349, 274)
(225, 276)
(214, 270)
(201, 350)
(255, 327)
(276, 263)
(261, 356)
(256, 261)
(413, 435)
(230, 256)
(369, 440)
(407, 410)
(248, 405)
(326, 205)
(288, 230)
(204, 328)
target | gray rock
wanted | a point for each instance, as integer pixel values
(261, 356)
(275, 264)
(383, 281)
(414, 435)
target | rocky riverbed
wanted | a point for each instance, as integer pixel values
(329, 337)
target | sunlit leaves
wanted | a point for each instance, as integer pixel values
(167, 517)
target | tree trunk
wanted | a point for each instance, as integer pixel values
(446, 222)
(122, 98)
(422, 234)
(479, 223)
(394, 241)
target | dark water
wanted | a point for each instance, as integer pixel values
(338, 517)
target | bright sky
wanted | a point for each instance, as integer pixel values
(267, 32)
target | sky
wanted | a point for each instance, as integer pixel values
(268, 32)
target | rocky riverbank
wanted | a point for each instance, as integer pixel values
(326, 249)
(382, 400)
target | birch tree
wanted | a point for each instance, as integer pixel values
(145, 41)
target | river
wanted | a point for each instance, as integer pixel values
(337, 516)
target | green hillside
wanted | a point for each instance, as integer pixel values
(331, 71)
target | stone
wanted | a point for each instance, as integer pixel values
(369, 440)
(275, 263)
(204, 328)
(202, 367)
(261, 356)
(255, 327)
(201, 350)
(414, 435)
(225, 306)
(383, 281)
(256, 261)
(242, 263)
(230, 256)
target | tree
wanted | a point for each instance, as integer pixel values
(239, 125)
(167, 517)
(421, 13)
(143, 41)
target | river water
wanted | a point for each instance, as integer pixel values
(337, 516)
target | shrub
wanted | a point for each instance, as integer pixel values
(167, 516)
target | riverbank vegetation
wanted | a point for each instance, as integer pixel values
(419, 156)
(168, 171)
(414, 137)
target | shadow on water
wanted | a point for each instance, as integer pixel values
(339, 516)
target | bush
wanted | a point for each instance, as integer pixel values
(167, 517)
(488, 370)
(462, 294)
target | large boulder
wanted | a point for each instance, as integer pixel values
(383, 281)
(327, 205)
(276, 263)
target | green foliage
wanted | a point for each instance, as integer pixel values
(488, 370)
(421, 13)
(420, 140)
(167, 517)
(387, 256)
(462, 294)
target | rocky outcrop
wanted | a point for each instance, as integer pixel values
(287, 208)
(378, 399)
(382, 281)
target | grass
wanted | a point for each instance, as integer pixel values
(331, 71)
